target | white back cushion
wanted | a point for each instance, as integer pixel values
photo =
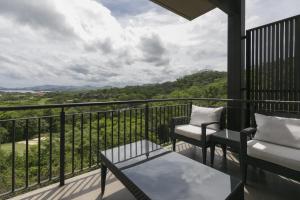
(278, 130)
(202, 115)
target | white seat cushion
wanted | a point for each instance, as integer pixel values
(192, 131)
(202, 115)
(278, 130)
(277, 154)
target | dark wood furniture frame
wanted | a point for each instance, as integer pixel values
(204, 142)
(216, 139)
(246, 160)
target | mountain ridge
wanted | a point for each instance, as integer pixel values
(200, 78)
(53, 88)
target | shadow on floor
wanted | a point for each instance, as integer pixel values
(86, 186)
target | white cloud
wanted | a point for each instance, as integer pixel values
(41, 16)
(78, 42)
(261, 12)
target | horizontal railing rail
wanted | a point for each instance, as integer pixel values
(47, 148)
(134, 102)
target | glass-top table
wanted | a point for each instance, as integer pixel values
(226, 138)
(151, 172)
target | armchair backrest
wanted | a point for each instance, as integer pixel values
(278, 128)
(223, 117)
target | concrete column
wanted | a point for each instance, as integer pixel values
(236, 55)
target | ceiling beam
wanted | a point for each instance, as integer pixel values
(189, 9)
(227, 6)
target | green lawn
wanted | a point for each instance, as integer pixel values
(20, 148)
(43, 101)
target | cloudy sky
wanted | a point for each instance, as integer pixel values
(114, 42)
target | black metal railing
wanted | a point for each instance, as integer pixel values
(49, 148)
(44, 148)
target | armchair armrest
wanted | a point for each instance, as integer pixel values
(203, 131)
(248, 132)
(244, 134)
(204, 125)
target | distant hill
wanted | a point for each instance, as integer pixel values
(210, 84)
(61, 88)
(201, 84)
(53, 88)
(201, 78)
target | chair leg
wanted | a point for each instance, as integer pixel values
(204, 150)
(103, 178)
(212, 154)
(244, 168)
(224, 148)
(174, 144)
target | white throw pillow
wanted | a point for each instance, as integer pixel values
(278, 130)
(202, 115)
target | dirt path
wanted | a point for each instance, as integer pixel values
(32, 141)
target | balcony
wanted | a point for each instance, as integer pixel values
(53, 151)
(64, 147)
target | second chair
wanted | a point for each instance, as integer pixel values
(197, 128)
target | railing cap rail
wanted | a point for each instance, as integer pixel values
(134, 102)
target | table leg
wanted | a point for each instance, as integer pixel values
(103, 177)
(204, 152)
(174, 144)
(224, 148)
(238, 194)
(212, 154)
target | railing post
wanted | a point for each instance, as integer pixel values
(297, 57)
(191, 105)
(13, 172)
(246, 121)
(147, 128)
(147, 121)
(62, 147)
(26, 154)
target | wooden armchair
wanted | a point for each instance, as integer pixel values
(275, 156)
(197, 134)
